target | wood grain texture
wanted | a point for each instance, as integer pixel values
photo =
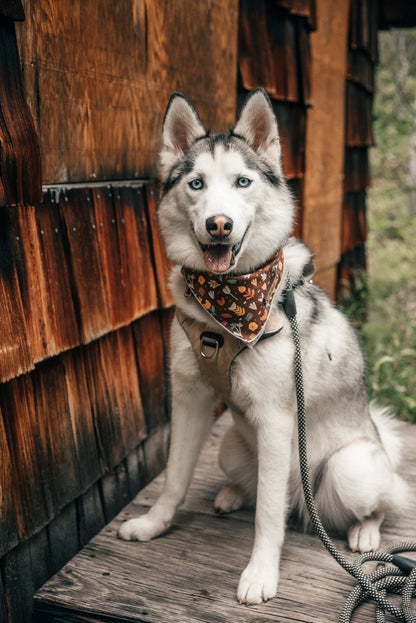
(362, 56)
(357, 170)
(114, 396)
(274, 50)
(99, 76)
(191, 573)
(29, 485)
(162, 264)
(8, 537)
(151, 354)
(74, 268)
(20, 164)
(359, 128)
(26, 567)
(76, 417)
(15, 350)
(323, 184)
(38, 251)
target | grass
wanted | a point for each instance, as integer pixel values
(389, 333)
(384, 305)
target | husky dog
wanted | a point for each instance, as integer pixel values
(225, 215)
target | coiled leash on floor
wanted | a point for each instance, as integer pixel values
(399, 579)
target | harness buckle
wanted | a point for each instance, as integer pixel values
(210, 341)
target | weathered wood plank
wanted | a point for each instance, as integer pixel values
(354, 226)
(98, 78)
(292, 128)
(56, 435)
(15, 351)
(191, 573)
(81, 414)
(161, 262)
(25, 568)
(9, 537)
(42, 268)
(357, 171)
(81, 410)
(150, 352)
(116, 407)
(359, 129)
(81, 230)
(20, 165)
(120, 372)
(126, 252)
(273, 51)
(76, 267)
(323, 186)
(30, 491)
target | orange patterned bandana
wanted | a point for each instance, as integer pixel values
(240, 303)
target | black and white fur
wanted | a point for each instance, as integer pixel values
(353, 450)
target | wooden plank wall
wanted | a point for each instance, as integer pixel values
(98, 76)
(325, 141)
(362, 59)
(84, 394)
(274, 52)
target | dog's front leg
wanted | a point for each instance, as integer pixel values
(193, 408)
(259, 580)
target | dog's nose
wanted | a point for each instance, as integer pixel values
(219, 226)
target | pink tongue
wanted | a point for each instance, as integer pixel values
(217, 257)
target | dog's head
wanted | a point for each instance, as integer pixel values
(225, 205)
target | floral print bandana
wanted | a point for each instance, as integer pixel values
(239, 303)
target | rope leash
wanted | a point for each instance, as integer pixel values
(401, 578)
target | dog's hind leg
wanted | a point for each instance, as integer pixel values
(238, 462)
(359, 486)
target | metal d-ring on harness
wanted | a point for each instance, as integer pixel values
(400, 578)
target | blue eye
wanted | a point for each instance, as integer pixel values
(196, 184)
(243, 182)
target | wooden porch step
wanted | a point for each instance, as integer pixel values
(190, 575)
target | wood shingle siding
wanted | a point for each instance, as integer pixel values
(20, 164)
(274, 52)
(362, 58)
(74, 268)
(98, 76)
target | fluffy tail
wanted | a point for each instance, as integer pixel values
(389, 429)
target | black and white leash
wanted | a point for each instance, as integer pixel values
(400, 578)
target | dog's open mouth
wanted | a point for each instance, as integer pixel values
(220, 257)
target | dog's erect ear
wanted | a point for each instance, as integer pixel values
(181, 127)
(258, 126)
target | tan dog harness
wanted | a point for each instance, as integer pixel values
(216, 351)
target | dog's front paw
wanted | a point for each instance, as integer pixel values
(141, 529)
(257, 584)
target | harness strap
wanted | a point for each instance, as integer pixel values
(217, 351)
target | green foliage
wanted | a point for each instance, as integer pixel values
(388, 333)
(395, 105)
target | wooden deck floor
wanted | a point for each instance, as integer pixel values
(190, 574)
